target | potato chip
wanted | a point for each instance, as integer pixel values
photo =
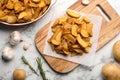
(11, 19)
(24, 10)
(10, 5)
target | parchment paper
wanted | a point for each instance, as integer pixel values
(85, 59)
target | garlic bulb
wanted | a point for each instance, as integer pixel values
(85, 2)
(7, 53)
(26, 47)
(15, 38)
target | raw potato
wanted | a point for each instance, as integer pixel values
(19, 74)
(71, 35)
(116, 50)
(111, 71)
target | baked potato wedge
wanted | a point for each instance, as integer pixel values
(81, 42)
(83, 31)
(71, 34)
(73, 14)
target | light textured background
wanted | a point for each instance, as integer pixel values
(28, 33)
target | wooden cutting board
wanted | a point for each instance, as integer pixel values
(108, 31)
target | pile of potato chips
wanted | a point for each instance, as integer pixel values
(71, 34)
(21, 11)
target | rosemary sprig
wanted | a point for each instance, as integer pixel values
(26, 62)
(41, 69)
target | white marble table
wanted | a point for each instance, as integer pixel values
(28, 33)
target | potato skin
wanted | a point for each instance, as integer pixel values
(111, 71)
(19, 74)
(116, 50)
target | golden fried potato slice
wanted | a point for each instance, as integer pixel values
(26, 2)
(65, 45)
(47, 2)
(6, 11)
(79, 51)
(66, 52)
(36, 1)
(74, 30)
(79, 21)
(86, 50)
(11, 19)
(89, 44)
(59, 35)
(81, 42)
(87, 39)
(4, 18)
(71, 20)
(10, 5)
(31, 4)
(89, 29)
(55, 42)
(0, 4)
(73, 14)
(42, 4)
(4, 1)
(84, 31)
(29, 12)
(54, 29)
(55, 23)
(67, 31)
(62, 20)
(15, 1)
(66, 26)
(87, 20)
(58, 47)
(2, 13)
(58, 30)
(37, 13)
(49, 40)
(56, 39)
(75, 46)
(18, 7)
(22, 15)
(44, 9)
(70, 38)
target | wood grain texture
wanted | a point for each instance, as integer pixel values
(108, 31)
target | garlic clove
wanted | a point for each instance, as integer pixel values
(7, 53)
(15, 38)
(26, 47)
(85, 2)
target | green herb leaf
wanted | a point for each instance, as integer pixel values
(26, 62)
(41, 69)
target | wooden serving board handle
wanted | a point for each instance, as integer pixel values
(108, 31)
